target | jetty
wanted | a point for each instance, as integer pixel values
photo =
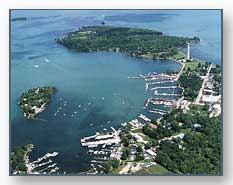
(156, 112)
(165, 94)
(101, 139)
(158, 101)
(167, 87)
(33, 165)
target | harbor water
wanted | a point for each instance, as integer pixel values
(93, 92)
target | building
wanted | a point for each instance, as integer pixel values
(211, 99)
(215, 110)
(151, 152)
(179, 136)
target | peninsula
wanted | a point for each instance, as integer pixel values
(131, 41)
(34, 100)
(21, 163)
(19, 159)
(19, 19)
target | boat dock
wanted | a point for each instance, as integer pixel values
(101, 139)
(156, 112)
(159, 101)
(144, 118)
(168, 87)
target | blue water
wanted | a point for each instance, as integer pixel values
(97, 81)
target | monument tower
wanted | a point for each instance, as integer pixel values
(188, 51)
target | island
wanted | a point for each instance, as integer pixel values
(131, 41)
(19, 19)
(34, 100)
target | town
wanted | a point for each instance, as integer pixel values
(140, 145)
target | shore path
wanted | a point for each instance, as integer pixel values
(181, 70)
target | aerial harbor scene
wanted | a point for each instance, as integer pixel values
(116, 92)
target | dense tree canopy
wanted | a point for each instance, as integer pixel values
(132, 41)
(199, 152)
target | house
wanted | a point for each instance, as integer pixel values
(210, 98)
(151, 152)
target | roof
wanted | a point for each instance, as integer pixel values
(181, 136)
(151, 152)
(210, 98)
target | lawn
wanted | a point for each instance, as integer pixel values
(193, 64)
(138, 130)
(178, 56)
(197, 108)
(154, 169)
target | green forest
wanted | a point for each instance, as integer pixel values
(199, 152)
(18, 159)
(131, 41)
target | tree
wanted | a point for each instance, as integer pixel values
(125, 141)
(205, 107)
(115, 163)
(148, 145)
(139, 148)
(139, 156)
(125, 153)
(107, 167)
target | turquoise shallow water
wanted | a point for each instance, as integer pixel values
(96, 81)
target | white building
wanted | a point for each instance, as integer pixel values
(210, 99)
(151, 152)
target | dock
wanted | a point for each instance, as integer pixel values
(101, 139)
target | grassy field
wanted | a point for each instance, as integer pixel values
(138, 130)
(155, 169)
(197, 108)
(193, 64)
(178, 56)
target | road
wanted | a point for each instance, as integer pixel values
(198, 99)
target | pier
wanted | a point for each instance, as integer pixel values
(156, 112)
(159, 101)
(168, 87)
(101, 139)
(144, 118)
(165, 94)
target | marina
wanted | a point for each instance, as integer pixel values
(95, 90)
(101, 139)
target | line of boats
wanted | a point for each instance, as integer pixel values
(42, 165)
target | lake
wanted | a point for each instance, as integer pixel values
(94, 86)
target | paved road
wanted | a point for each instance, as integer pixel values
(198, 99)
